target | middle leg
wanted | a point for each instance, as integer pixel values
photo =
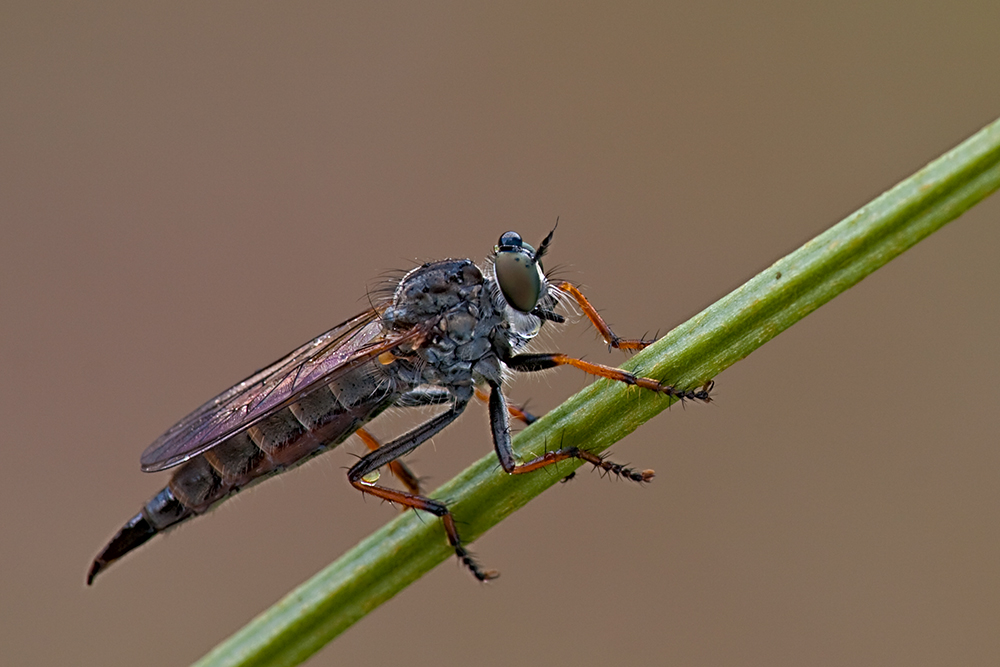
(500, 426)
(545, 360)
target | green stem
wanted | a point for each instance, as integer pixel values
(604, 412)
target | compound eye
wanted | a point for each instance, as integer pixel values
(518, 275)
(509, 240)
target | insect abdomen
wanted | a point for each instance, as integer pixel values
(315, 423)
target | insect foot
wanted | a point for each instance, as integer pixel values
(463, 554)
(611, 468)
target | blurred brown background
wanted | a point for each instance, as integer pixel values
(188, 191)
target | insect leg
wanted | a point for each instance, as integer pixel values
(610, 337)
(500, 425)
(393, 450)
(414, 398)
(538, 362)
(398, 469)
(517, 413)
(420, 397)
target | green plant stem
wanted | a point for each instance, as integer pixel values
(604, 412)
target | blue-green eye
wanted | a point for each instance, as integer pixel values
(518, 274)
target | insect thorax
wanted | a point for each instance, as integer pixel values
(468, 323)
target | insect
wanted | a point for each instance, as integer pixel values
(446, 332)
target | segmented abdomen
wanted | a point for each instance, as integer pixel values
(318, 421)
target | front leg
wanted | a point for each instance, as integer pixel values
(609, 336)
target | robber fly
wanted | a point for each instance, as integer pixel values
(446, 332)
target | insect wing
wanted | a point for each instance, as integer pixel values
(356, 341)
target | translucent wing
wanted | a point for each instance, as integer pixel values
(346, 346)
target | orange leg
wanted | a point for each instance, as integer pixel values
(500, 413)
(436, 508)
(596, 460)
(610, 337)
(538, 362)
(500, 424)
